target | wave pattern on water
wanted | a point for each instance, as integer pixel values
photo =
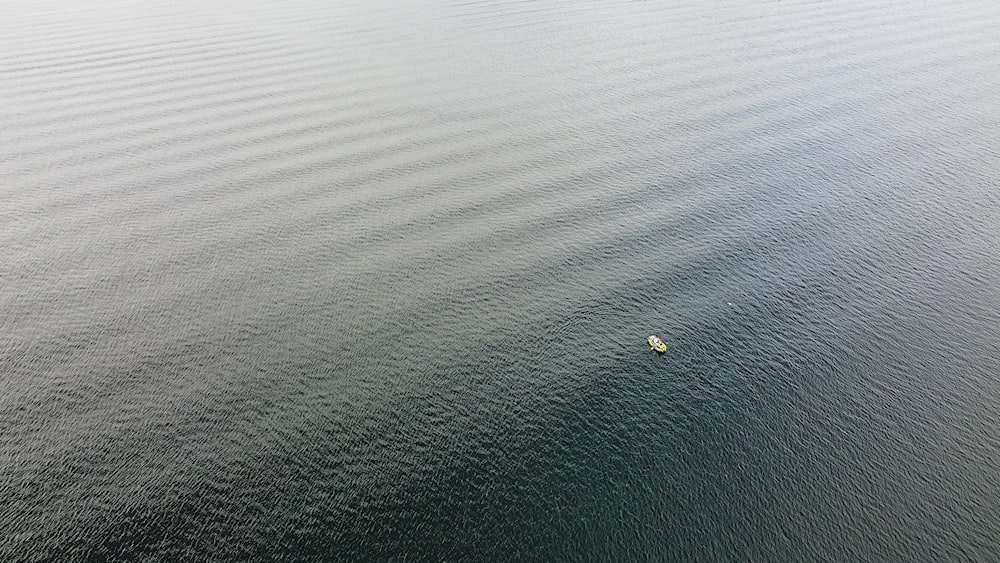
(311, 280)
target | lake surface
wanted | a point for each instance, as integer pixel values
(306, 281)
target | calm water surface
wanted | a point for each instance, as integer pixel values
(308, 281)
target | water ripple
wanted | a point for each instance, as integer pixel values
(313, 281)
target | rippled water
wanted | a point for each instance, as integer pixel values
(304, 280)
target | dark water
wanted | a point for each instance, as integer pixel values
(304, 280)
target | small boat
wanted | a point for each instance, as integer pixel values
(656, 344)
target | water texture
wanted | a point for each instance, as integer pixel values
(309, 281)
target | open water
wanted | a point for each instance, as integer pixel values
(301, 280)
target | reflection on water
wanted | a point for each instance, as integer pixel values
(312, 281)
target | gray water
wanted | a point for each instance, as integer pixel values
(307, 281)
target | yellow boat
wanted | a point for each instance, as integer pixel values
(656, 344)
